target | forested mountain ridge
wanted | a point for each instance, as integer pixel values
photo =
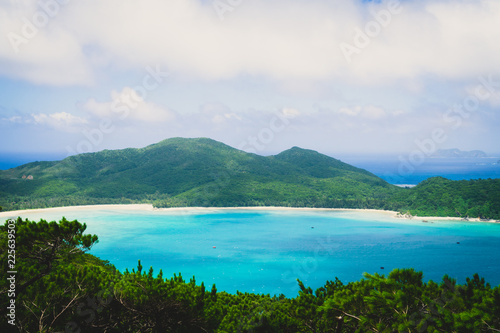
(203, 172)
(193, 172)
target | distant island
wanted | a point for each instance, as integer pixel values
(457, 153)
(200, 172)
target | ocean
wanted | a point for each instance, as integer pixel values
(12, 159)
(265, 251)
(400, 171)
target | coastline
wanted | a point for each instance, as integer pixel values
(149, 207)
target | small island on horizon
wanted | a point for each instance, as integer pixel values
(457, 153)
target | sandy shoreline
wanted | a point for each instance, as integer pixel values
(77, 208)
(149, 207)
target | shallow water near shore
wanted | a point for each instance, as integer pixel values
(265, 251)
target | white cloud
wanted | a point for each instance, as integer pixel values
(281, 40)
(367, 111)
(128, 105)
(395, 88)
(217, 114)
(62, 121)
(38, 48)
(352, 111)
(15, 119)
(289, 112)
(373, 112)
(485, 91)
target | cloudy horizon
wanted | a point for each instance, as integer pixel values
(378, 77)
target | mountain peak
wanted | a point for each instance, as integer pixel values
(191, 144)
(186, 141)
(317, 164)
(298, 151)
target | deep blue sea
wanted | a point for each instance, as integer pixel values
(12, 160)
(265, 251)
(396, 171)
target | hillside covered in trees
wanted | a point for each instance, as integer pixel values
(61, 288)
(182, 172)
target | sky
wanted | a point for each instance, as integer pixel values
(388, 77)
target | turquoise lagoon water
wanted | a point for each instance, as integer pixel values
(266, 251)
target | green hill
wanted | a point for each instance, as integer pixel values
(439, 196)
(203, 172)
(194, 172)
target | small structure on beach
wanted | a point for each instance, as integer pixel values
(405, 216)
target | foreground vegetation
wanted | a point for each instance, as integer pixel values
(60, 288)
(202, 172)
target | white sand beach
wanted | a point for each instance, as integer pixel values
(149, 207)
(62, 210)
